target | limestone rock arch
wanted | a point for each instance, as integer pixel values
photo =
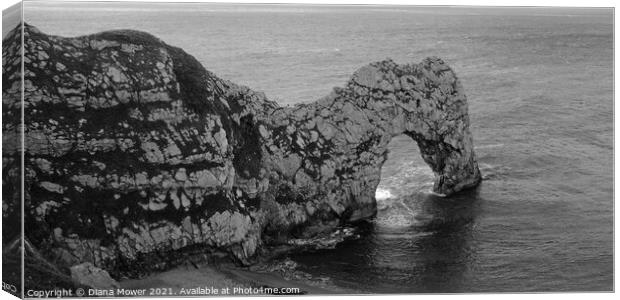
(134, 152)
(351, 128)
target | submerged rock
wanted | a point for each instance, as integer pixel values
(134, 152)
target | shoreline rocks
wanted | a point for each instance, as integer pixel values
(91, 276)
(134, 152)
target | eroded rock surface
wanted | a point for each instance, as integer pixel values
(91, 276)
(134, 151)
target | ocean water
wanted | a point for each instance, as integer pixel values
(540, 88)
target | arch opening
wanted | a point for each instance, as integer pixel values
(404, 176)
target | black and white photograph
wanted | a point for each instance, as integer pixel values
(196, 149)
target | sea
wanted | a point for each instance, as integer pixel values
(539, 83)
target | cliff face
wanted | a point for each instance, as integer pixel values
(133, 151)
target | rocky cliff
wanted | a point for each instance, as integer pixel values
(135, 153)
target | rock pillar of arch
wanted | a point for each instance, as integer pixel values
(427, 103)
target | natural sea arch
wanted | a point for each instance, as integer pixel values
(340, 142)
(159, 154)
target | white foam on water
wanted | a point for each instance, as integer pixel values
(396, 220)
(396, 212)
(407, 179)
(382, 194)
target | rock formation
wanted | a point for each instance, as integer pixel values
(91, 276)
(134, 152)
